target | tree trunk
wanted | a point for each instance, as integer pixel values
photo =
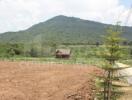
(109, 85)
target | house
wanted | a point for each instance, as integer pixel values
(63, 53)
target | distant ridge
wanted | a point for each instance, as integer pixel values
(62, 29)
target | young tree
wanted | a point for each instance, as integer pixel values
(111, 54)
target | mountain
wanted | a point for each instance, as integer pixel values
(62, 29)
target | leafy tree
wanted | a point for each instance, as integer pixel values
(11, 52)
(131, 52)
(125, 43)
(130, 43)
(97, 44)
(33, 52)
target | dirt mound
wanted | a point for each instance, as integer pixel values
(37, 81)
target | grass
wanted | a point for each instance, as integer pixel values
(90, 61)
(81, 54)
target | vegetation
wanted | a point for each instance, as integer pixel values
(10, 50)
(82, 39)
(109, 83)
(62, 29)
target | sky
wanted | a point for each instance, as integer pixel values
(18, 15)
(127, 3)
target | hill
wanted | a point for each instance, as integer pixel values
(62, 29)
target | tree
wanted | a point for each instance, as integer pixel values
(11, 52)
(131, 52)
(33, 52)
(125, 43)
(97, 44)
(109, 82)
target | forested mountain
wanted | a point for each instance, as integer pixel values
(62, 29)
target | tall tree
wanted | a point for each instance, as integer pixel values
(112, 53)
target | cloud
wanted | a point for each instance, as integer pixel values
(20, 14)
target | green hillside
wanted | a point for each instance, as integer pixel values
(62, 29)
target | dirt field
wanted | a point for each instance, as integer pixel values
(34, 81)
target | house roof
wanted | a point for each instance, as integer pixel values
(63, 51)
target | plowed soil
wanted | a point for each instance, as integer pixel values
(34, 81)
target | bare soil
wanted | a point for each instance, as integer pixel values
(34, 81)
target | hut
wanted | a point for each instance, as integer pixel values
(63, 53)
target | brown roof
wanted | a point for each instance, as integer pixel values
(63, 51)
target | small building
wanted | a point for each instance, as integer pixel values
(63, 53)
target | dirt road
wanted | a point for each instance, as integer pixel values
(34, 81)
(126, 72)
(126, 90)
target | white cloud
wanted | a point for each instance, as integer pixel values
(20, 14)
